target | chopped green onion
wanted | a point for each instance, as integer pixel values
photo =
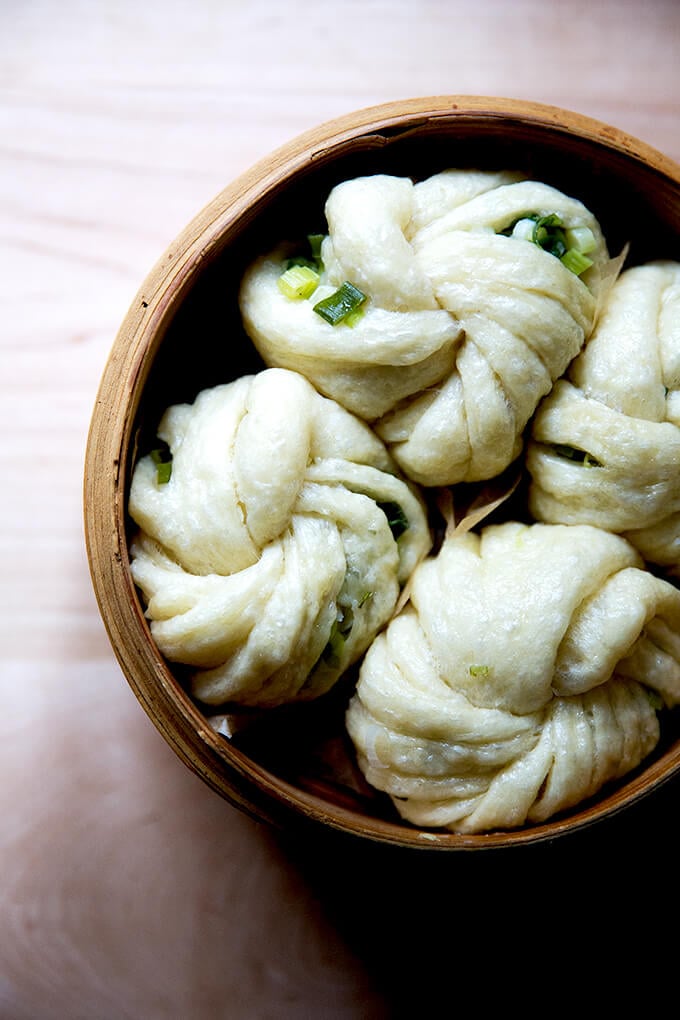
(549, 235)
(510, 231)
(396, 518)
(353, 317)
(298, 282)
(345, 620)
(523, 229)
(545, 231)
(570, 245)
(312, 259)
(338, 306)
(339, 632)
(315, 241)
(575, 261)
(580, 239)
(162, 458)
(477, 670)
(332, 653)
(364, 598)
(574, 454)
(655, 699)
(300, 260)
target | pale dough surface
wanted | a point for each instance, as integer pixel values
(269, 539)
(465, 329)
(513, 684)
(621, 405)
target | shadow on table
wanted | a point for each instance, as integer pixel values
(441, 930)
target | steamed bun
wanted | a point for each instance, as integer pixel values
(279, 545)
(466, 326)
(516, 681)
(605, 446)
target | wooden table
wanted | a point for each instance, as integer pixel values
(127, 889)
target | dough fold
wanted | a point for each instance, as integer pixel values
(465, 328)
(517, 680)
(279, 545)
(605, 444)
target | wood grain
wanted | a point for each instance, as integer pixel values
(129, 890)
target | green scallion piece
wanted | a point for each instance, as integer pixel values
(655, 699)
(339, 632)
(396, 518)
(300, 260)
(298, 282)
(315, 241)
(311, 257)
(342, 303)
(569, 244)
(162, 458)
(575, 261)
(477, 670)
(575, 455)
(549, 235)
(353, 317)
(332, 653)
(580, 239)
(522, 229)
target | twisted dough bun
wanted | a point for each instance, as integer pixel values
(465, 329)
(620, 405)
(513, 684)
(266, 561)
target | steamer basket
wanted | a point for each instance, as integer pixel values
(183, 333)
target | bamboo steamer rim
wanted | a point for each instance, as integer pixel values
(107, 461)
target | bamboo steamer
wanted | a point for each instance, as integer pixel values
(182, 333)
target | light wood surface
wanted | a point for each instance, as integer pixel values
(128, 889)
